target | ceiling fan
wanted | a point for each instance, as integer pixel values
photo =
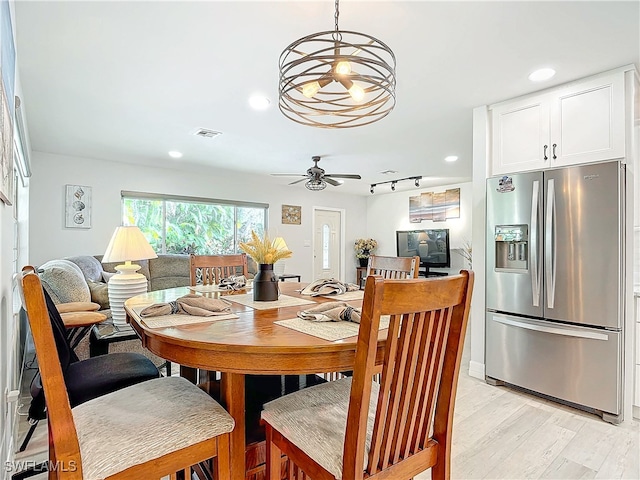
(316, 178)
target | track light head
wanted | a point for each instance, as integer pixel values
(393, 186)
(417, 182)
(371, 189)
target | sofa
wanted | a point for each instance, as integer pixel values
(84, 278)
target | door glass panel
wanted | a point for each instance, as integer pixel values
(326, 233)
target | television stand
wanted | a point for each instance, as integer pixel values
(427, 273)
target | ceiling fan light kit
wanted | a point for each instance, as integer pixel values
(316, 185)
(337, 79)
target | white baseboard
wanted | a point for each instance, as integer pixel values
(476, 370)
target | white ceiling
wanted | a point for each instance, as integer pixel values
(129, 81)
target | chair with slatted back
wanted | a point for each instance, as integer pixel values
(325, 432)
(146, 430)
(210, 269)
(393, 267)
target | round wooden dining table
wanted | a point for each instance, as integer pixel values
(249, 344)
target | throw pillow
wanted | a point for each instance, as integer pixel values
(64, 281)
(106, 276)
(99, 294)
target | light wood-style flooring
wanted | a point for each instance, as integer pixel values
(500, 433)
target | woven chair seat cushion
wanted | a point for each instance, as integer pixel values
(315, 420)
(144, 422)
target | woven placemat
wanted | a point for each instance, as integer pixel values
(164, 321)
(283, 301)
(347, 296)
(330, 331)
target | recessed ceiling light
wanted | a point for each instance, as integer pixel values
(175, 154)
(451, 158)
(259, 102)
(388, 172)
(542, 74)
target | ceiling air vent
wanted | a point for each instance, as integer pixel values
(206, 133)
(388, 172)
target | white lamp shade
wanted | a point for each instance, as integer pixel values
(280, 244)
(128, 244)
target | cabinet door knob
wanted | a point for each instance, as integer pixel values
(545, 152)
(554, 150)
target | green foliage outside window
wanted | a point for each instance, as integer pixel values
(189, 227)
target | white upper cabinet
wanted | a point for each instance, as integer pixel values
(520, 135)
(577, 123)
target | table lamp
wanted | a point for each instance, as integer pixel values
(278, 267)
(127, 244)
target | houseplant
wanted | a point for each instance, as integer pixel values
(364, 248)
(265, 252)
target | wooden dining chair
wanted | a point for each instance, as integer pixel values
(210, 269)
(406, 429)
(147, 430)
(394, 267)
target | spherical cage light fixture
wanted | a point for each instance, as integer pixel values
(316, 185)
(337, 79)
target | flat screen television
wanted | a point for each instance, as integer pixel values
(431, 245)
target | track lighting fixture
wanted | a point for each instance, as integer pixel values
(416, 181)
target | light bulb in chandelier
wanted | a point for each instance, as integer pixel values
(310, 89)
(356, 92)
(343, 68)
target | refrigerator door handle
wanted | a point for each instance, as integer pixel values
(535, 271)
(566, 331)
(550, 244)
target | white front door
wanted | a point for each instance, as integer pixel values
(326, 244)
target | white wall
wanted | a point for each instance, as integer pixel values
(14, 228)
(49, 238)
(388, 212)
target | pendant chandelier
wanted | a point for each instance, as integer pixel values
(337, 79)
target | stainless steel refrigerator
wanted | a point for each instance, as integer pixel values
(554, 283)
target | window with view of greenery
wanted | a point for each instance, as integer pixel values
(193, 225)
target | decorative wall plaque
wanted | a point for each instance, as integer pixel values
(291, 214)
(77, 211)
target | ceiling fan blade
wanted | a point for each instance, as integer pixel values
(331, 181)
(288, 175)
(337, 175)
(298, 181)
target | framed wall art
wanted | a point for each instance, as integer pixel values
(7, 96)
(452, 202)
(291, 214)
(77, 206)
